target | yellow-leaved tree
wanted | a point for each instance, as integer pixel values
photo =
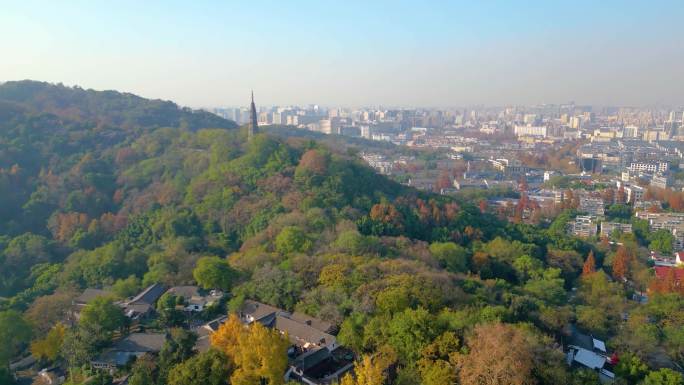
(228, 335)
(259, 354)
(48, 348)
(366, 372)
(371, 370)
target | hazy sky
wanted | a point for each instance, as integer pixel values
(410, 53)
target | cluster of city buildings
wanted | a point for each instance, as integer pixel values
(642, 146)
(432, 127)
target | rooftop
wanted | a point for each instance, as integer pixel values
(141, 342)
(148, 296)
(302, 334)
(186, 292)
(589, 359)
(257, 310)
(90, 294)
(313, 322)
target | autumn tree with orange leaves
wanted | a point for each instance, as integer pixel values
(589, 265)
(483, 206)
(491, 362)
(314, 161)
(621, 263)
(388, 214)
(670, 284)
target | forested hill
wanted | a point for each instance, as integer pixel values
(46, 129)
(70, 186)
(111, 191)
(104, 108)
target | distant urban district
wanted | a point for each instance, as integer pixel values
(147, 244)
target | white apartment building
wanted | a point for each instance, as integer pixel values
(607, 228)
(591, 205)
(648, 167)
(538, 131)
(583, 226)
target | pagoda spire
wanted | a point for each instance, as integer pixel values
(253, 123)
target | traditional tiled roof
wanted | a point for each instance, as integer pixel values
(303, 330)
(90, 294)
(186, 292)
(302, 334)
(313, 322)
(214, 324)
(258, 310)
(148, 296)
(141, 342)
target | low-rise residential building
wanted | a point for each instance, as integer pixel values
(123, 351)
(196, 299)
(660, 181)
(143, 304)
(470, 183)
(379, 162)
(676, 260)
(591, 205)
(634, 193)
(607, 228)
(89, 295)
(590, 352)
(315, 356)
(135, 308)
(583, 226)
(509, 166)
(647, 205)
(672, 222)
(652, 167)
(426, 184)
(663, 217)
(304, 331)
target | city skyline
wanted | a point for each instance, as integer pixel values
(355, 54)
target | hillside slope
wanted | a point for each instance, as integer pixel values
(110, 108)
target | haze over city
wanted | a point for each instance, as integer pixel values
(354, 53)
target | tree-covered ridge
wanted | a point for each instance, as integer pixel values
(104, 108)
(46, 130)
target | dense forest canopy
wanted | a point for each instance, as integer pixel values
(109, 190)
(104, 108)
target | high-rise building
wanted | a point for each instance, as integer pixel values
(673, 116)
(576, 122)
(541, 131)
(530, 119)
(253, 124)
(277, 117)
(325, 126)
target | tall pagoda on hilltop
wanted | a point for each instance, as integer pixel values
(253, 123)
